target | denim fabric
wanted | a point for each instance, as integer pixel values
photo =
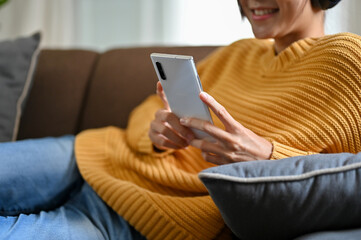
(42, 195)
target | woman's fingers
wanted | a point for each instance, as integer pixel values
(215, 159)
(207, 127)
(162, 96)
(161, 142)
(219, 154)
(234, 144)
(169, 135)
(223, 115)
(173, 121)
(208, 147)
(167, 132)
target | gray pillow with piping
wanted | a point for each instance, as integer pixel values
(17, 63)
(287, 198)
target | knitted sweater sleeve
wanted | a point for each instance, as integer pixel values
(283, 151)
(139, 123)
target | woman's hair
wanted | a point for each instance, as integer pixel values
(322, 4)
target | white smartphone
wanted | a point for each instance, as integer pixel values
(182, 86)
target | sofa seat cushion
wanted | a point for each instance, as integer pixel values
(286, 198)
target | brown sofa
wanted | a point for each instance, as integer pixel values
(75, 90)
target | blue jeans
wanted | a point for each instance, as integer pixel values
(42, 195)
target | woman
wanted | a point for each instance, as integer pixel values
(296, 95)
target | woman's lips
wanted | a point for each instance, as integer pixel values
(263, 14)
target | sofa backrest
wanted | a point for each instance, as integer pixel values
(74, 90)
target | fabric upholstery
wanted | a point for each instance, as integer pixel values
(71, 88)
(286, 198)
(56, 99)
(348, 234)
(122, 80)
(17, 63)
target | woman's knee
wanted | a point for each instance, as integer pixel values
(36, 174)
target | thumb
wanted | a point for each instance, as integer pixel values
(162, 96)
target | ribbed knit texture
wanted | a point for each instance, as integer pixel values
(305, 100)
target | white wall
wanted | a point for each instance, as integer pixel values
(105, 24)
(54, 18)
(345, 17)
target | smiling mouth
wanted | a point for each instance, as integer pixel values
(263, 12)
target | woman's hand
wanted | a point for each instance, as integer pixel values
(234, 144)
(165, 131)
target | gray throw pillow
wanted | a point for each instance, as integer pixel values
(287, 198)
(17, 63)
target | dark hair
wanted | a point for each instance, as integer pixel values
(322, 4)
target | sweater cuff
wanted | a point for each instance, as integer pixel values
(283, 151)
(145, 146)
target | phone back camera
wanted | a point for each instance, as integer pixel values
(160, 70)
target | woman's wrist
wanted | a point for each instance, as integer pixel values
(157, 150)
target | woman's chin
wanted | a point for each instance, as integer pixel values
(263, 32)
(263, 35)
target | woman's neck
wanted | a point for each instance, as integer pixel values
(316, 30)
(284, 42)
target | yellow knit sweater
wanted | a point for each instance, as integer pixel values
(305, 100)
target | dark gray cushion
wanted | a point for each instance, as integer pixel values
(287, 198)
(17, 63)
